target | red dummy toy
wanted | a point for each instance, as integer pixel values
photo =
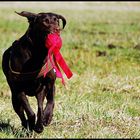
(54, 43)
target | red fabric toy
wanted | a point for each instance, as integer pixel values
(54, 43)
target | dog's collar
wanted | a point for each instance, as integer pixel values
(30, 75)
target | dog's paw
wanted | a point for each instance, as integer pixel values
(47, 120)
(38, 128)
(31, 122)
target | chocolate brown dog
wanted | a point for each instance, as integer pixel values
(22, 63)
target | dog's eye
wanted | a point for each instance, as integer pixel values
(55, 19)
(46, 20)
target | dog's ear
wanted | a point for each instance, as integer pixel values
(63, 20)
(30, 16)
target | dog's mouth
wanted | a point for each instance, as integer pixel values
(51, 28)
(55, 30)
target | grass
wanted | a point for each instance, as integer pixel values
(102, 99)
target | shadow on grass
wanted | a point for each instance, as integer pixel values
(8, 130)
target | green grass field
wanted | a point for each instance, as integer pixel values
(102, 99)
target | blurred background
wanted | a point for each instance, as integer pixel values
(130, 5)
(101, 44)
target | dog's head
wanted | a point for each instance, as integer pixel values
(45, 22)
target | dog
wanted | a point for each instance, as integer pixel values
(22, 64)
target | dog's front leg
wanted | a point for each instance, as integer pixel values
(40, 98)
(48, 111)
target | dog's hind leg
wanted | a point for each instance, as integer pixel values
(17, 105)
(28, 110)
(20, 103)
